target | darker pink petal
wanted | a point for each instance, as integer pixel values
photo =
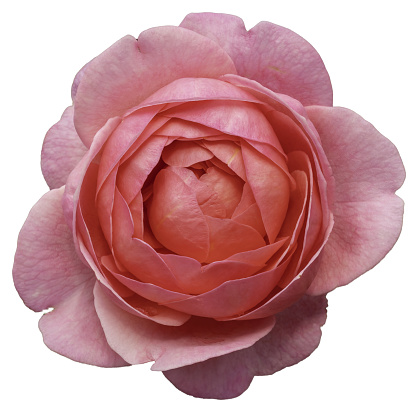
(61, 151)
(295, 336)
(139, 340)
(176, 219)
(272, 55)
(131, 70)
(368, 215)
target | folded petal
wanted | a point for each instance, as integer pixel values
(131, 70)
(227, 187)
(270, 186)
(136, 255)
(176, 219)
(139, 340)
(295, 336)
(185, 154)
(368, 215)
(228, 237)
(61, 151)
(230, 154)
(274, 56)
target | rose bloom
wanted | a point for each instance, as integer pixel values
(205, 196)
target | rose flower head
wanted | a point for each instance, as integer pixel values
(205, 196)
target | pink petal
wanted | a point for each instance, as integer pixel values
(131, 70)
(184, 154)
(139, 340)
(235, 118)
(295, 336)
(209, 201)
(135, 170)
(74, 330)
(133, 131)
(137, 256)
(270, 187)
(230, 154)
(228, 237)
(228, 188)
(45, 279)
(274, 56)
(196, 279)
(134, 303)
(368, 215)
(61, 151)
(176, 219)
(177, 128)
(232, 298)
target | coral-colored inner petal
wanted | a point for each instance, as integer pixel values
(176, 218)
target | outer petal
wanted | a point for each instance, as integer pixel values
(46, 278)
(139, 341)
(131, 70)
(295, 336)
(74, 330)
(274, 56)
(368, 215)
(61, 151)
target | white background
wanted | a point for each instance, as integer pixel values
(367, 360)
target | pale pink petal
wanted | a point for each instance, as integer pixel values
(368, 215)
(176, 219)
(295, 336)
(73, 330)
(228, 237)
(61, 151)
(76, 81)
(270, 186)
(184, 154)
(274, 56)
(48, 273)
(43, 277)
(131, 70)
(139, 340)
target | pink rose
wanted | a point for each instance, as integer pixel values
(205, 196)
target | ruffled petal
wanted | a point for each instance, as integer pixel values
(131, 70)
(45, 278)
(61, 151)
(42, 277)
(368, 215)
(274, 56)
(295, 336)
(139, 340)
